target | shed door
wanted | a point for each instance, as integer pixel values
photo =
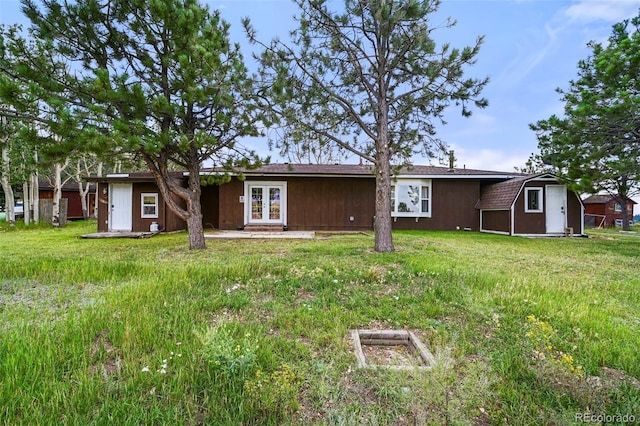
(556, 216)
(120, 214)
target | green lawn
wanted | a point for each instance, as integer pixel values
(127, 332)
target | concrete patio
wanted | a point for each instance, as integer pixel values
(225, 235)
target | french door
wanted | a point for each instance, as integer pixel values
(266, 202)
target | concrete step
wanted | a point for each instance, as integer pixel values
(263, 228)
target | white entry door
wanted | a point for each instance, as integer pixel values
(265, 202)
(120, 213)
(556, 213)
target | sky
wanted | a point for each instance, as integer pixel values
(531, 47)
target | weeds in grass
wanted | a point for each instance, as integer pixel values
(274, 394)
(227, 354)
(90, 329)
(540, 336)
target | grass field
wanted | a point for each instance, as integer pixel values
(127, 332)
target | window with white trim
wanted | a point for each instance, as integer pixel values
(617, 207)
(411, 198)
(533, 200)
(149, 205)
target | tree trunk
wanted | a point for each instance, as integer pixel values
(26, 202)
(57, 195)
(35, 197)
(84, 194)
(625, 212)
(83, 200)
(6, 187)
(194, 225)
(382, 224)
(95, 207)
(194, 207)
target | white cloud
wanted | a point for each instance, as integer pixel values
(586, 16)
(489, 159)
(482, 119)
(586, 11)
(532, 50)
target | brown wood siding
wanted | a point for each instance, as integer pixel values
(574, 212)
(329, 203)
(496, 220)
(103, 207)
(452, 207)
(167, 220)
(210, 202)
(172, 220)
(231, 214)
(74, 203)
(312, 203)
(530, 223)
(609, 210)
(142, 225)
(535, 223)
(595, 208)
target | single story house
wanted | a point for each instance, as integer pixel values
(604, 211)
(342, 198)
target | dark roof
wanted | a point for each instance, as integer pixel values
(285, 169)
(307, 169)
(131, 177)
(597, 199)
(68, 187)
(501, 195)
(601, 199)
(362, 170)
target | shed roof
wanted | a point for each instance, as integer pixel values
(501, 195)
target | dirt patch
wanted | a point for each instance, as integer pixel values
(396, 349)
(49, 302)
(104, 355)
(303, 295)
(391, 355)
(612, 378)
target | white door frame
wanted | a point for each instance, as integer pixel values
(120, 207)
(556, 209)
(266, 185)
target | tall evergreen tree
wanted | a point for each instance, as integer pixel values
(595, 146)
(157, 78)
(372, 80)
